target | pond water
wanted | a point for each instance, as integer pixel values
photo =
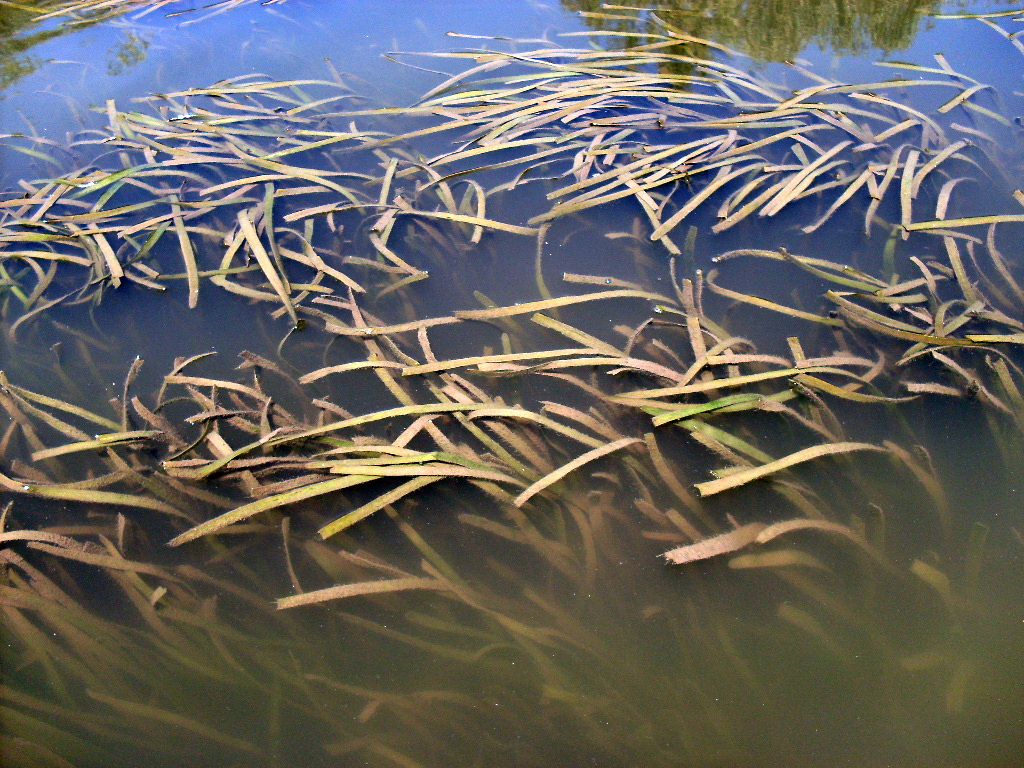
(349, 406)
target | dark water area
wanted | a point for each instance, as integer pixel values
(290, 284)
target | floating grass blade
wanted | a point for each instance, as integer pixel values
(88, 496)
(807, 454)
(271, 502)
(100, 442)
(692, 410)
(379, 503)
(573, 465)
(722, 544)
(343, 591)
(266, 264)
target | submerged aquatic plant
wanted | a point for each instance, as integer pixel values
(222, 169)
(577, 446)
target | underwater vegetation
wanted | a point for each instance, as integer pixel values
(422, 526)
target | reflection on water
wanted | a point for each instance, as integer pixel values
(127, 53)
(15, 39)
(480, 468)
(768, 29)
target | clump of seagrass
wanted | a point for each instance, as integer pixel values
(668, 416)
(550, 496)
(246, 184)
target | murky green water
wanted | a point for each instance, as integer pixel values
(518, 614)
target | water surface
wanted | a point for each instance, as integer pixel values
(551, 632)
